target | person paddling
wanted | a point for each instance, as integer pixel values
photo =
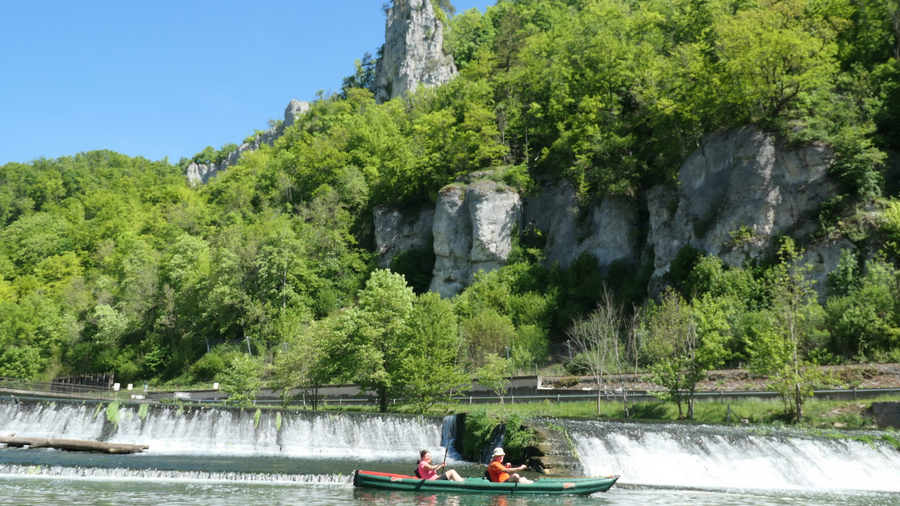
(499, 472)
(426, 470)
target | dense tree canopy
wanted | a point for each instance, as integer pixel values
(116, 264)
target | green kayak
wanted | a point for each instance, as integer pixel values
(388, 481)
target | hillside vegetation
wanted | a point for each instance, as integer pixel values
(111, 263)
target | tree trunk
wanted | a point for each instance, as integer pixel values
(690, 403)
(382, 400)
(799, 402)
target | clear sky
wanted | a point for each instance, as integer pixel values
(157, 78)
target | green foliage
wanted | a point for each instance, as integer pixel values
(519, 440)
(890, 224)
(846, 276)
(143, 411)
(115, 264)
(682, 342)
(485, 334)
(430, 369)
(256, 417)
(682, 266)
(480, 428)
(778, 351)
(242, 380)
(370, 340)
(364, 76)
(301, 363)
(212, 156)
(113, 414)
(864, 323)
(495, 375)
(416, 265)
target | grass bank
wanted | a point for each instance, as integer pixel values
(817, 413)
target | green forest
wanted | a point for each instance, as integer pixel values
(116, 264)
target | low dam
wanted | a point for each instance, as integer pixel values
(233, 445)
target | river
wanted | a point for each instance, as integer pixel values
(216, 457)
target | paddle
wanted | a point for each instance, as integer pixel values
(536, 468)
(445, 457)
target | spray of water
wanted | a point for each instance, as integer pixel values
(172, 430)
(720, 457)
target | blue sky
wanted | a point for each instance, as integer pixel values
(167, 78)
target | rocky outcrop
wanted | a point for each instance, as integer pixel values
(202, 172)
(473, 230)
(413, 51)
(609, 231)
(736, 192)
(395, 233)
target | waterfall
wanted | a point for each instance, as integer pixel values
(673, 455)
(191, 430)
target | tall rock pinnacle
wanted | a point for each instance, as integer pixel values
(413, 51)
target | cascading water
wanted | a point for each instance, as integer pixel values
(671, 455)
(175, 430)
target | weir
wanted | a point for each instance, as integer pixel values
(675, 455)
(314, 447)
(183, 430)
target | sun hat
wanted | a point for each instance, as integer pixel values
(498, 452)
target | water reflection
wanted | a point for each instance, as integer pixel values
(39, 491)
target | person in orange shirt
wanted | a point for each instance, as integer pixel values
(499, 472)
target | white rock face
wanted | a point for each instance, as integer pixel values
(295, 108)
(614, 233)
(555, 213)
(413, 51)
(395, 233)
(472, 231)
(202, 172)
(736, 179)
(609, 232)
(740, 180)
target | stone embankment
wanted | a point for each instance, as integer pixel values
(886, 414)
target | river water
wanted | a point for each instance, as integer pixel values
(218, 458)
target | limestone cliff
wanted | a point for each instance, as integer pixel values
(395, 233)
(202, 172)
(472, 231)
(734, 195)
(736, 192)
(608, 231)
(413, 51)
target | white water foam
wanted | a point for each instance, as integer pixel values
(708, 457)
(64, 472)
(191, 431)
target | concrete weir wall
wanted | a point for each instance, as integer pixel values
(887, 414)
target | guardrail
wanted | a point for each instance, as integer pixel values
(844, 394)
(68, 390)
(16, 385)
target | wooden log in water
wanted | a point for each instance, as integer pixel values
(72, 445)
(19, 442)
